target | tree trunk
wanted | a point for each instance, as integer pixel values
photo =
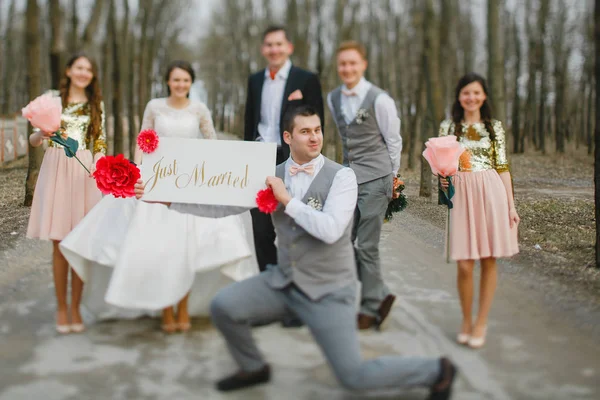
(590, 116)
(516, 110)
(541, 133)
(58, 47)
(92, 27)
(435, 101)
(421, 104)
(597, 130)
(143, 60)
(128, 57)
(12, 67)
(117, 100)
(74, 36)
(496, 60)
(32, 40)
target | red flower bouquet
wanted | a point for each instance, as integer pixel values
(116, 175)
(147, 141)
(266, 201)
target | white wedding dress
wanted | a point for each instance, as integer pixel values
(137, 258)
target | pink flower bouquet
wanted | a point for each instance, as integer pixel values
(442, 154)
(44, 113)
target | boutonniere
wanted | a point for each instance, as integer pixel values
(361, 115)
(315, 203)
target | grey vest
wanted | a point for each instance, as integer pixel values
(364, 149)
(316, 267)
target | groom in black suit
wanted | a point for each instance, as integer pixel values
(271, 92)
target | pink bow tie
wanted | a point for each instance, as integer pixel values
(309, 169)
(349, 93)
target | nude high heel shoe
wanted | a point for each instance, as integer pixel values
(478, 342)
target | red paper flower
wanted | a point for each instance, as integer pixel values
(266, 201)
(147, 141)
(116, 176)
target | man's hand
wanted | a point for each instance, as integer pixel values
(279, 190)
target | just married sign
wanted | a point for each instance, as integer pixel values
(223, 172)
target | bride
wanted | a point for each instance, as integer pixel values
(137, 257)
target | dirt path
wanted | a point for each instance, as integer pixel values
(540, 346)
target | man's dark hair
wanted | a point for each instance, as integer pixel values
(276, 28)
(304, 110)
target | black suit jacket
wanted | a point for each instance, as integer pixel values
(298, 79)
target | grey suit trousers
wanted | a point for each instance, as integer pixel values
(373, 199)
(332, 323)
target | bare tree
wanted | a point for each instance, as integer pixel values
(9, 54)
(92, 26)
(117, 99)
(74, 32)
(32, 40)
(542, 23)
(58, 46)
(435, 101)
(518, 141)
(597, 132)
(496, 59)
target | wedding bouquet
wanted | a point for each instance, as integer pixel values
(399, 201)
(442, 154)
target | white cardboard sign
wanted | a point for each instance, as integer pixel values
(222, 172)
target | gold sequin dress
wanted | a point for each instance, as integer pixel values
(64, 192)
(479, 221)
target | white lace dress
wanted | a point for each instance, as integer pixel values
(137, 258)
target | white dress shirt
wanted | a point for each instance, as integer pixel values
(270, 105)
(386, 115)
(330, 223)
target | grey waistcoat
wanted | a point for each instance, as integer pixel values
(364, 149)
(316, 267)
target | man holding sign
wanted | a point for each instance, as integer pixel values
(315, 278)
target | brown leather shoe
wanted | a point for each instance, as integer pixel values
(385, 308)
(365, 322)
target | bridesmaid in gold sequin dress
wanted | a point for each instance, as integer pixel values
(64, 192)
(483, 221)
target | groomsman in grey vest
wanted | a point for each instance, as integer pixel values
(369, 126)
(315, 278)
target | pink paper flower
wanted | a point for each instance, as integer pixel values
(442, 154)
(147, 141)
(44, 112)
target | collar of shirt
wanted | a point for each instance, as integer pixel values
(298, 184)
(283, 72)
(361, 88)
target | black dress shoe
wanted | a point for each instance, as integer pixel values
(243, 379)
(442, 389)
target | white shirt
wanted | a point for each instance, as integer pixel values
(330, 223)
(270, 105)
(386, 115)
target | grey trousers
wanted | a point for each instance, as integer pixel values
(332, 323)
(373, 199)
